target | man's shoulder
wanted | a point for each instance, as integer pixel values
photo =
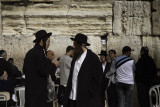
(91, 52)
(65, 57)
(3, 61)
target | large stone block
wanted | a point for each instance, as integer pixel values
(43, 0)
(0, 19)
(61, 19)
(155, 17)
(16, 47)
(29, 0)
(153, 44)
(10, 0)
(59, 44)
(132, 18)
(136, 42)
(118, 42)
(64, 21)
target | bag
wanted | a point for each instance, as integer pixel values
(50, 89)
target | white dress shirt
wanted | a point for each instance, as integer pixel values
(77, 66)
(104, 66)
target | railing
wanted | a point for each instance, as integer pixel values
(154, 96)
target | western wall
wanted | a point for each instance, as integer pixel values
(123, 22)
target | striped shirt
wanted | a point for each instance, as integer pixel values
(124, 69)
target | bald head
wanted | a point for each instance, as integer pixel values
(50, 55)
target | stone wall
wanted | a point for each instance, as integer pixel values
(21, 21)
(155, 17)
(133, 23)
(132, 26)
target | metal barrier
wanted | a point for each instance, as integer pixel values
(154, 94)
(20, 96)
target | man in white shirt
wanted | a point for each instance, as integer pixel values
(124, 67)
(64, 73)
(83, 87)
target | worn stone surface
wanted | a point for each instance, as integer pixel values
(59, 44)
(132, 18)
(153, 44)
(0, 20)
(21, 22)
(136, 42)
(118, 42)
(155, 17)
(131, 21)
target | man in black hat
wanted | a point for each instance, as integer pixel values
(36, 68)
(105, 66)
(144, 75)
(83, 87)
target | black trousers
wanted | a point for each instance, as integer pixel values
(50, 104)
(112, 95)
(143, 94)
(72, 103)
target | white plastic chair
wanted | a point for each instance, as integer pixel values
(156, 90)
(20, 96)
(4, 96)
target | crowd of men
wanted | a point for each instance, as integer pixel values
(86, 80)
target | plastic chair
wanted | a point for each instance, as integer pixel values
(20, 96)
(156, 90)
(4, 96)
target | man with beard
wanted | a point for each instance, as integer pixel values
(36, 68)
(83, 87)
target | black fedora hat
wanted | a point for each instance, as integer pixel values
(41, 34)
(103, 53)
(81, 38)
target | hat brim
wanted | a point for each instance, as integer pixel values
(48, 35)
(103, 54)
(87, 44)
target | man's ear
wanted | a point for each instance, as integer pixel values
(41, 43)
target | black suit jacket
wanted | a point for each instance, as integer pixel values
(4, 66)
(89, 82)
(145, 70)
(36, 68)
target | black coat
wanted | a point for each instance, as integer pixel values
(89, 81)
(36, 68)
(4, 66)
(6, 85)
(145, 70)
(105, 80)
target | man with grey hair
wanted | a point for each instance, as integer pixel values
(3, 65)
(7, 72)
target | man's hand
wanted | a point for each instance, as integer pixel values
(57, 63)
(4, 76)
